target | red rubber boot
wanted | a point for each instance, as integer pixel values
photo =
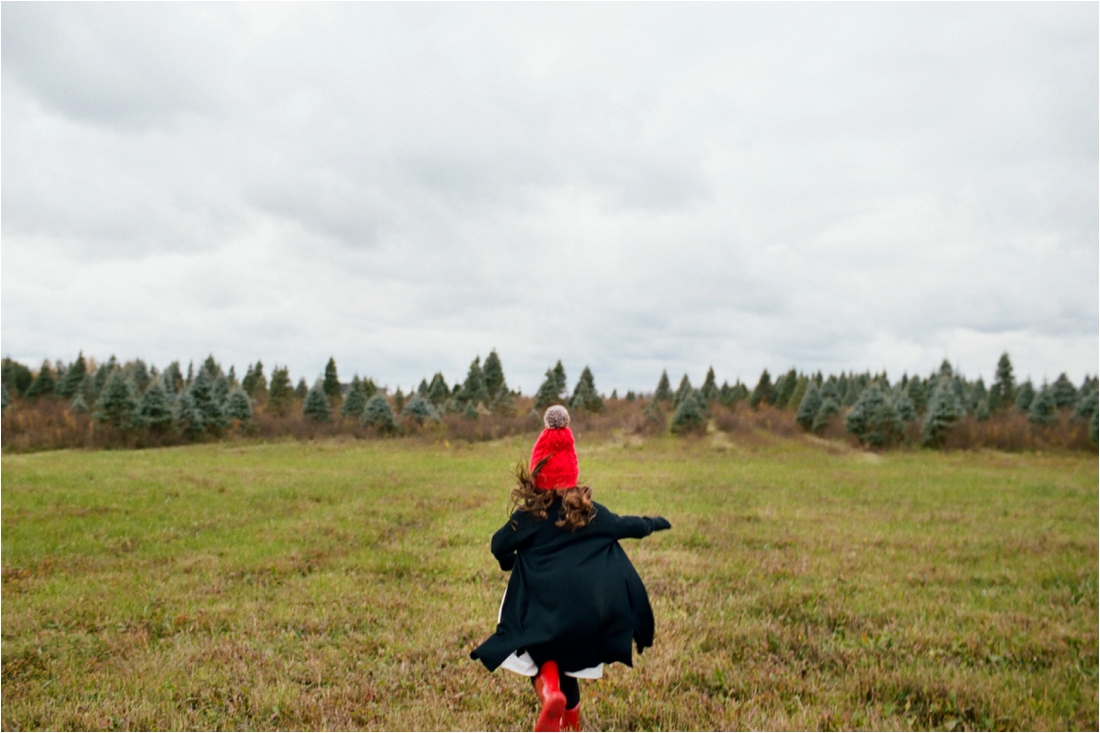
(553, 699)
(571, 718)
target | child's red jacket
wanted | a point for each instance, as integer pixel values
(574, 596)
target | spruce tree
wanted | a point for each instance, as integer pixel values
(688, 417)
(438, 391)
(332, 382)
(356, 399)
(74, 377)
(585, 395)
(188, 416)
(377, 414)
(118, 404)
(1002, 394)
(762, 393)
(316, 404)
(473, 389)
(206, 401)
(802, 383)
(874, 419)
(943, 412)
(664, 388)
(907, 411)
(255, 383)
(709, 389)
(1087, 404)
(398, 401)
(1043, 409)
(17, 377)
(1024, 396)
(505, 402)
(982, 410)
(239, 406)
(78, 403)
(614, 394)
(101, 375)
(172, 378)
(280, 393)
(221, 389)
(946, 370)
(419, 409)
(551, 389)
(1062, 392)
(422, 390)
(44, 382)
(630, 396)
(829, 407)
(302, 389)
(683, 391)
(493, 373)
(138, 373)
(155, 410)
(808, 407)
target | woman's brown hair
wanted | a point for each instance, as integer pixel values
(576, 503)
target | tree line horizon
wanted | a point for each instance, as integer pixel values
(211, 401)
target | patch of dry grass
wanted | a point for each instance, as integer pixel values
(342, 584)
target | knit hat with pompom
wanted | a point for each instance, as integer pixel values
(556, 441)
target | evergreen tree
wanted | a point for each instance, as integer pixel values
(1024, 396)
(763, 391)
(44, 382)
(1094, 429)
(654, 417)
(399, 401)
(802, 384)
(172, 378)
(17, 377)
(255, 383)
(332, 382)
(1087, 404)
(231, 375)
(808, 407)
(280, 394)
(688, 417)
(729, 396)
(473, 389)
(1043, 409)
(155, 410)
(78, 404)
(551, 389)
(419, 409)
(615, 394)
(239, 406)
(377, 414)
(855, 389)
(504, 403)
(946, 370)
(138, 374)
(1003, 392)
(874, 419)
(785, 389)
(438, 391)
(316, 404)
(118, 404)
(74, 377)
(356, 399)
(493, 373)
(943, 411)
(212, 368)
(664, 389)
(829, 407)
(709, 389)
(422, 390)
(906, 410)
(221, 389)
(206, 401)
(585, 395)
(302, 389)
(101, 375)
(630, 396)
(1062, 392)
(189, 416)
(5, 400)
(683, 391)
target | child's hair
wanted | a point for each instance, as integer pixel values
(576, 503)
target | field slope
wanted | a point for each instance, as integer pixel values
(342, 585)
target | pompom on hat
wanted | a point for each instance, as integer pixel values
(556, 445)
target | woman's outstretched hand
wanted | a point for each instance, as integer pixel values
(660, 523)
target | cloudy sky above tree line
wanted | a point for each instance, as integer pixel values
(628, 186)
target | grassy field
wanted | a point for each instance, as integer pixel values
(343, 584)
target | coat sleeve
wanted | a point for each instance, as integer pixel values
(508, 539)
(637, 527)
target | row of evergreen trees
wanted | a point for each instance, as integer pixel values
(207, 401)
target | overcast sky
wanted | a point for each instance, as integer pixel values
(632, 187)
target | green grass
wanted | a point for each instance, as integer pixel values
(342, 585)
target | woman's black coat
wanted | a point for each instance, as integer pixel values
(573, 596)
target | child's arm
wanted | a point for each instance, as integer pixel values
(639, 527)
(509, 538)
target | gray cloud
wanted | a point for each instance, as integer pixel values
(631, 187)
